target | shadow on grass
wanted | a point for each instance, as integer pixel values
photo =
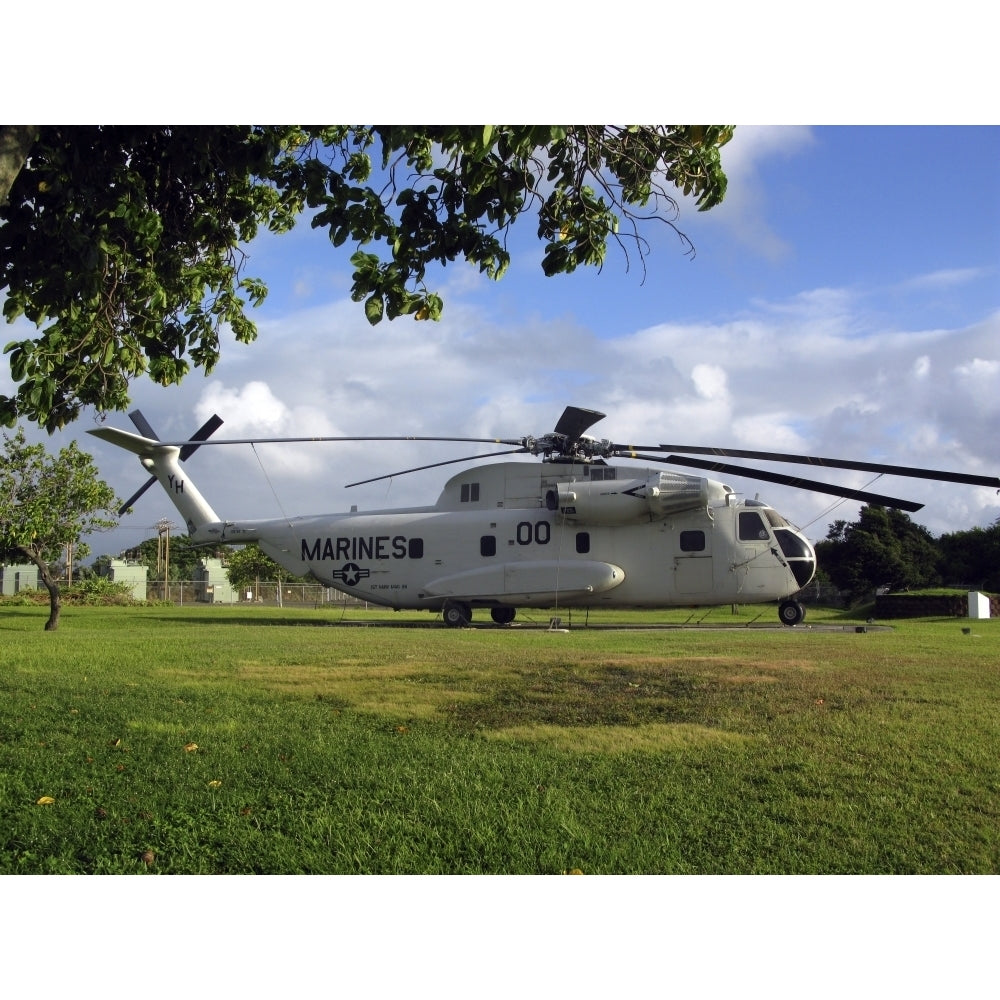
(252, 621)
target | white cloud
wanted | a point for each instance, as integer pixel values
(954, 277)
(751, 144)
(710, 382)
(746, 209)
(791, 376)
(980, 369)
(252, 409)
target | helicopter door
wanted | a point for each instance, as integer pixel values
(693, 561)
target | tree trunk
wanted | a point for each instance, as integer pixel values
(51, 585)
(55, 605)
(15, 144)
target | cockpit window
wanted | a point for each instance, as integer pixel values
(775, 519)
(752, 527)
(793, 545)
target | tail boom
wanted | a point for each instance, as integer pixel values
(163, 461)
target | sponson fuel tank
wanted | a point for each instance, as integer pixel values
(616, 501)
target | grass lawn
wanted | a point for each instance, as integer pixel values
(225, 740)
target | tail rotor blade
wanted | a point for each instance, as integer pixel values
(142, 425)
(135, 496)
(203, 433)
(145, 428)
(207, 429)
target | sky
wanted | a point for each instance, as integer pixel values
(843, 301)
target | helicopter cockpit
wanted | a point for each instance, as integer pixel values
(754, 520)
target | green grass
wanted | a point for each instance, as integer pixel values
(328, 747)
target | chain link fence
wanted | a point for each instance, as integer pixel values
(269, 593)
(275, 594)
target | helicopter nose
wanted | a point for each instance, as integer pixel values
(798, 553)
(803, 570)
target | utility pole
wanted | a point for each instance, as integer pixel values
(163, 554)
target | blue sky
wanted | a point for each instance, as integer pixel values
(843, 301)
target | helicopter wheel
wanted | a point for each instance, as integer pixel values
(457, 614)
(791, 612)
(503, 616)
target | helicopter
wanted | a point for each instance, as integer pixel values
(577, 530)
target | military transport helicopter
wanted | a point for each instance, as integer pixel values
(575, 531)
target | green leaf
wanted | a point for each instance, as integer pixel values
(374, 308)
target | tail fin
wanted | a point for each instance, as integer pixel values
(163, 461)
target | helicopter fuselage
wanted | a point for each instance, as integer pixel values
(514, 534)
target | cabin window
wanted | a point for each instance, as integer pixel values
(416, 548)
(488, 545)
(470, 493)
(599, 472)
(752, 527)
(692, 541)
(583, 542)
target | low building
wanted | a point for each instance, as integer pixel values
(133, 574)
(18, 577)
(211, 585)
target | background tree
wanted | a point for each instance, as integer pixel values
(183, 557)
(249, 565)
(101, 566)
(125, 244)
(47, 503)
(884, 547)
(972, 558)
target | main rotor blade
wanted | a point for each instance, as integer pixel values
(783, 480)
(629, 450)
(575, 420)
(839, 463)
(435, 465)
(311, 440)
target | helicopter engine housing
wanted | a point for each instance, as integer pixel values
(617, 501)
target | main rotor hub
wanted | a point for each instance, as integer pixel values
(556, 447)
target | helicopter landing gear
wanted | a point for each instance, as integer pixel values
(791, 612)
(503, 616)
(457, 614)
